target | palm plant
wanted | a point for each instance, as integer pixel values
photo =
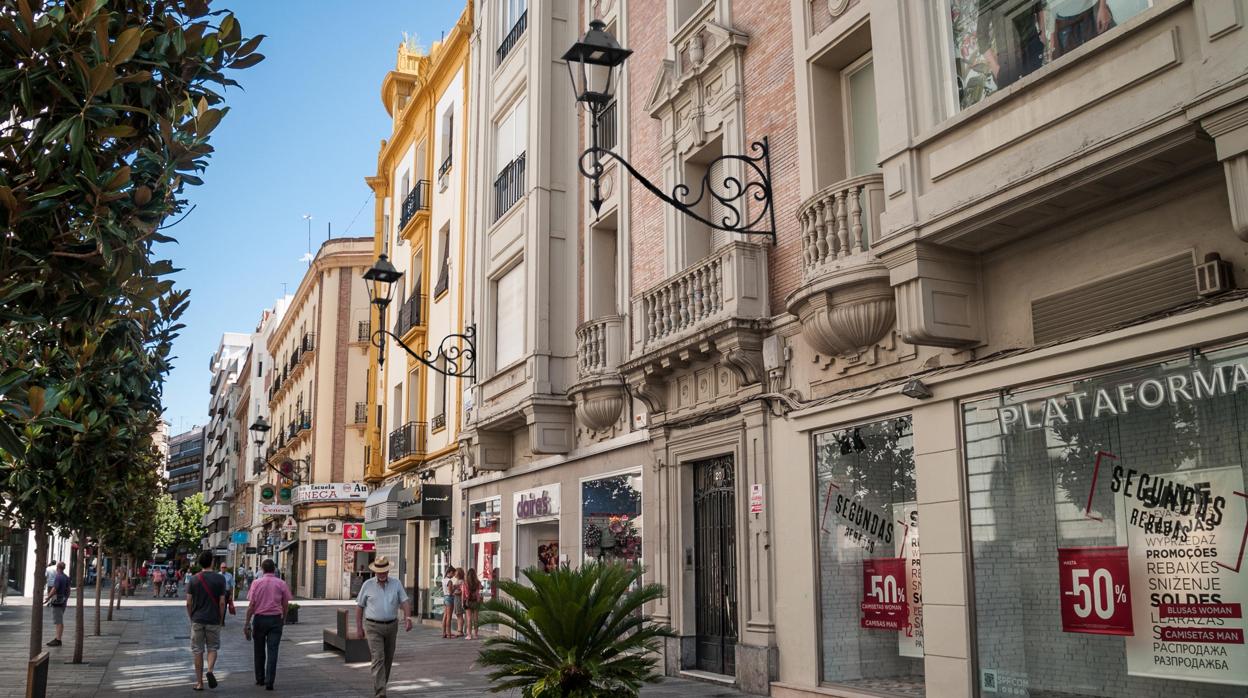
(576, 633)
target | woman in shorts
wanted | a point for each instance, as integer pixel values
(448, 600)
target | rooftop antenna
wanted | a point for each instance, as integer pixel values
(329, 231)
(308, 257)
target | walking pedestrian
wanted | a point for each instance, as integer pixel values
(472, 600)
(448, 601)
(268, 601)
(58, 599)
(229, 590)
(205, 605)
(158, 582)
(376, 618)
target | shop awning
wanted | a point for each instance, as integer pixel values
(381, 509)
(284, 545)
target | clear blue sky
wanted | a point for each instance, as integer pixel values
(300, 138)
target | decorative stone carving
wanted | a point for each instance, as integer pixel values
(650, 389)
(743, 355)
(845, 313)
(599, 403)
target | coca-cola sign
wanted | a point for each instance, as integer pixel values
(539, 502)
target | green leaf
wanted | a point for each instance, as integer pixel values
(246, 61)
(51, 193)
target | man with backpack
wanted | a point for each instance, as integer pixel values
(205, 605)
(58, 599)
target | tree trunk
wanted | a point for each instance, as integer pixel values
(79, 611)
(99, 581)
(112, 594)
(37, 590)
(116, 595)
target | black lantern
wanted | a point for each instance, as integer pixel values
(260, 429)
(381, 277)
(742, 188)
(592, 64)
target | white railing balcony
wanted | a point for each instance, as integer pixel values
(730, 283)
(600, 346)
(840, 221)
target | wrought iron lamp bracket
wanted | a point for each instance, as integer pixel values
(733, 193)
(459, 361)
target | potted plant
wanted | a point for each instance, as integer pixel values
(292, 613)
(575, 633)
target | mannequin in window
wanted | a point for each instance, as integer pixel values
(1071, 23)
(1010, 39)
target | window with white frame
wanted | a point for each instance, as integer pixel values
(997, 42)
(510, 135)
(862, 134)
(509, 316)
(509, 12)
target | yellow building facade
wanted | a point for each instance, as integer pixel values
(414, 413)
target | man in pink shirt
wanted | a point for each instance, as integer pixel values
(267, 602)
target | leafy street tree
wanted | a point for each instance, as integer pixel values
(109, 105)
(575, 633)
(180, 525)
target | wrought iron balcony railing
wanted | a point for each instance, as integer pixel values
(408, 315)
(416, 200)
(304, 420)
(607, 128)
(361, 413)
(407, 440)
(363, 331)
(308, 343)
(509, 186)
(444, 170)
(509, 41)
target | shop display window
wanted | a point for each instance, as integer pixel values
(870, 581)
(1108, 523)
(611, 519)
(997, 42)
(485, 521)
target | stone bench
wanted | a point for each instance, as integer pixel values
(345, 639)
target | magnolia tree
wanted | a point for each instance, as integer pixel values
(107, 108)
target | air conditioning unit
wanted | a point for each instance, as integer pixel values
(331, 527)
(1214, 276)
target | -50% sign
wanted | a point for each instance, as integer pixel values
(1095, 585)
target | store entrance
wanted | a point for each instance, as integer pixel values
(537, 545)
(715, 570)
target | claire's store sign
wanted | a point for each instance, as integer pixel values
(1197, 383)
(329, 492)
(537, 503)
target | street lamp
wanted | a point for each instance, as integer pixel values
(447, 360)
(593, 66)
(260, 430)
(289, 470)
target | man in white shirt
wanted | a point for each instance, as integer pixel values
(376, 618)
(49, 574)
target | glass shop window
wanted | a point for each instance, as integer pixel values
(1108, 522)
(870, 582)
(997, 42)
(611, 519)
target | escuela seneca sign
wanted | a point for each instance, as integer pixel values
(329, 492)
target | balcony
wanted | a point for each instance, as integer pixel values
(845, 302)
(509, 186)
(607, 127)
(416, 200)
(513, 36)
(599, 391)
(408, 314)
(361, 413)
(363, 331)
(438, 421)
(407, 441)
(718, 307)
(307, 345)
(444, 173)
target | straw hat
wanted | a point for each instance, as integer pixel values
(381, 564)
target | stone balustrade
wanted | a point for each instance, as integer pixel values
(600, 345)
(730, 283)
(840, 221)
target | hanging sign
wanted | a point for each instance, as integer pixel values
(276, 510)
(883, 599)
(1095, 588)
(354, 546)
(756, 498)
(1186, 532)
(239, 537)
(289, 524)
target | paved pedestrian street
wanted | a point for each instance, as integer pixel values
(146, 650)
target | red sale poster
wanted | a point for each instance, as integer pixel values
(1095, 585)
(883, 594)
